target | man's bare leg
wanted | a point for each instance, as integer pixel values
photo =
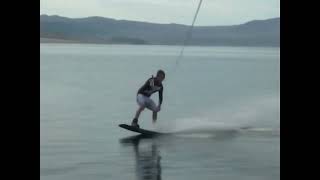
(136, 117)
(154, 116)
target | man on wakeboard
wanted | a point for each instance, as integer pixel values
(152, 85)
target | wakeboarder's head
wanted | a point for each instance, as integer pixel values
(161, 75)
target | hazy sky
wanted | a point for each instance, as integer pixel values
(212, 12)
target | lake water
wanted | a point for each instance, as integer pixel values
(221, 104)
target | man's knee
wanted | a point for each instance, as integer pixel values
(156, 109)
(141, 108)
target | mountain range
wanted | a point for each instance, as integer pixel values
(111, 31)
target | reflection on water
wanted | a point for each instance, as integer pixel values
(147, 157)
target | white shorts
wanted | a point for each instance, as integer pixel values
(147, 102)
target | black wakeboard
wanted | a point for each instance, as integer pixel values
(139, 130)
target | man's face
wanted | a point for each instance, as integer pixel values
(160, 77)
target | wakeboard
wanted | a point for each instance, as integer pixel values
(139, 130)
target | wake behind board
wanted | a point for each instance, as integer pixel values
(139, 130)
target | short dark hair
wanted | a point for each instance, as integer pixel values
(161, 72)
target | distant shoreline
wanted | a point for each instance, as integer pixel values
(64, 41)
(52, 40)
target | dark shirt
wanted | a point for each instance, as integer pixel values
(151, 86)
